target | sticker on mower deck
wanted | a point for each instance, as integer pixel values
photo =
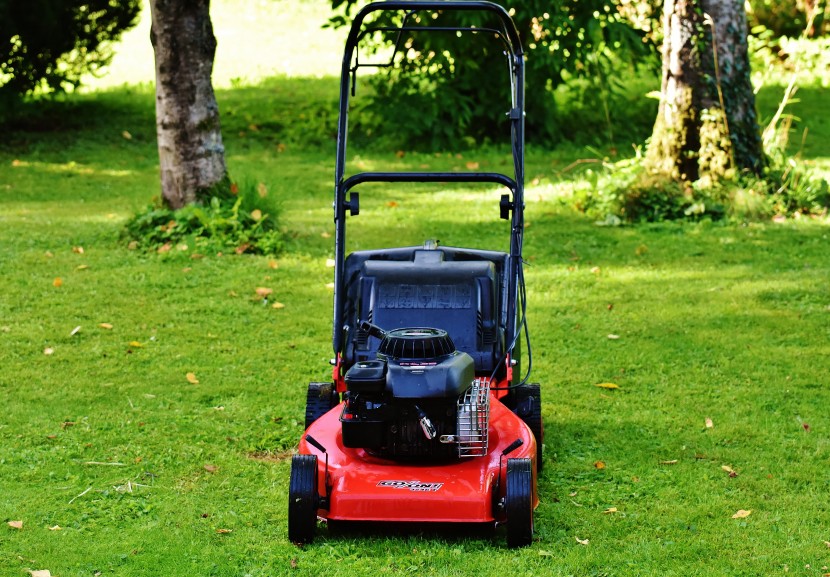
(411, 485)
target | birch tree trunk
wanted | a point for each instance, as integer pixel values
(191, 153)
(707, 124)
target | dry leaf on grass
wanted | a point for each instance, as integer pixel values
(78, 249)
(742, 514)
(224, 531)
(136, 344)
(264, 292)
(75, 331)
(58, 282)
(599, 465)
(105, 326)
(582, 541)
(607, 386)
(40, 573)
(16, 524)
(610, 510)
(48, 351)
(191, 378)
(277, 306)
(730, 470)
(709, 423)
(613, 337)
(55, 528)
(211, 468)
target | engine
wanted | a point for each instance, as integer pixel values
(419, 400)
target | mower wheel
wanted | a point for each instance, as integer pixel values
(321, 398)
(528, 406)
(302, 499)
(518, 502)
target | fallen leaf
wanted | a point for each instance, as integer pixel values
(211, 468)
(48, 351)
(126, 135)
(293, 563)
(599, 465)
(224, 531)
(75, 331)
(256, 214)
(671, 462)
(392, 204)
(191, 378)
(105, 326)
(234, 188)
(82, 267)
(400, 154)
(610, 510)
(273, 264)
(613, 337)
(78, 249)
(261, 190)
(277, 306)
(136, 344)
(472, 165)
(40, 573)
(827, 543)
(58, 282)
(16, 524)
(582, 541)
(729, 470)
(806, 427)
(132, 245)
(67, 424)
(164, 248)
(709, 423)
(264, 292)
(607, 386)
(55, 528)
(243, 247)
(742, 514)
(182, 247)
(596, 270)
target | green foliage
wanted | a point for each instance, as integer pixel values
(242, 220)
(49, 44)
(787, 17)
(448, 91)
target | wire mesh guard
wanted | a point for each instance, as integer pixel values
(474, 420)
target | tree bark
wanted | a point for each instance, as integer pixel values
(191, 153)
(706, 126)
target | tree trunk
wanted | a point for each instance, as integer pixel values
(706, 126)
(191, 153)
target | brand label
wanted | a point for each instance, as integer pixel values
(411, 485)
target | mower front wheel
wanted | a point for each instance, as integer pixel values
(518, 502)
(303, 499)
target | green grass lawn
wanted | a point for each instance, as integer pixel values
(118, 463)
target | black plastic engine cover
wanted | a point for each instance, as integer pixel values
(449, 376)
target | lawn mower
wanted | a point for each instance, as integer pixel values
(428, 417)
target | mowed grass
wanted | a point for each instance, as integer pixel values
(118, 463)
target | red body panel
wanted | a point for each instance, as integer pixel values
(367, 488)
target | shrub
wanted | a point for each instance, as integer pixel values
(241, 220)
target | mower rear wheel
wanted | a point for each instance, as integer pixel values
(528, 399)
(303, 499)
(320, 399)
(518, 502)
